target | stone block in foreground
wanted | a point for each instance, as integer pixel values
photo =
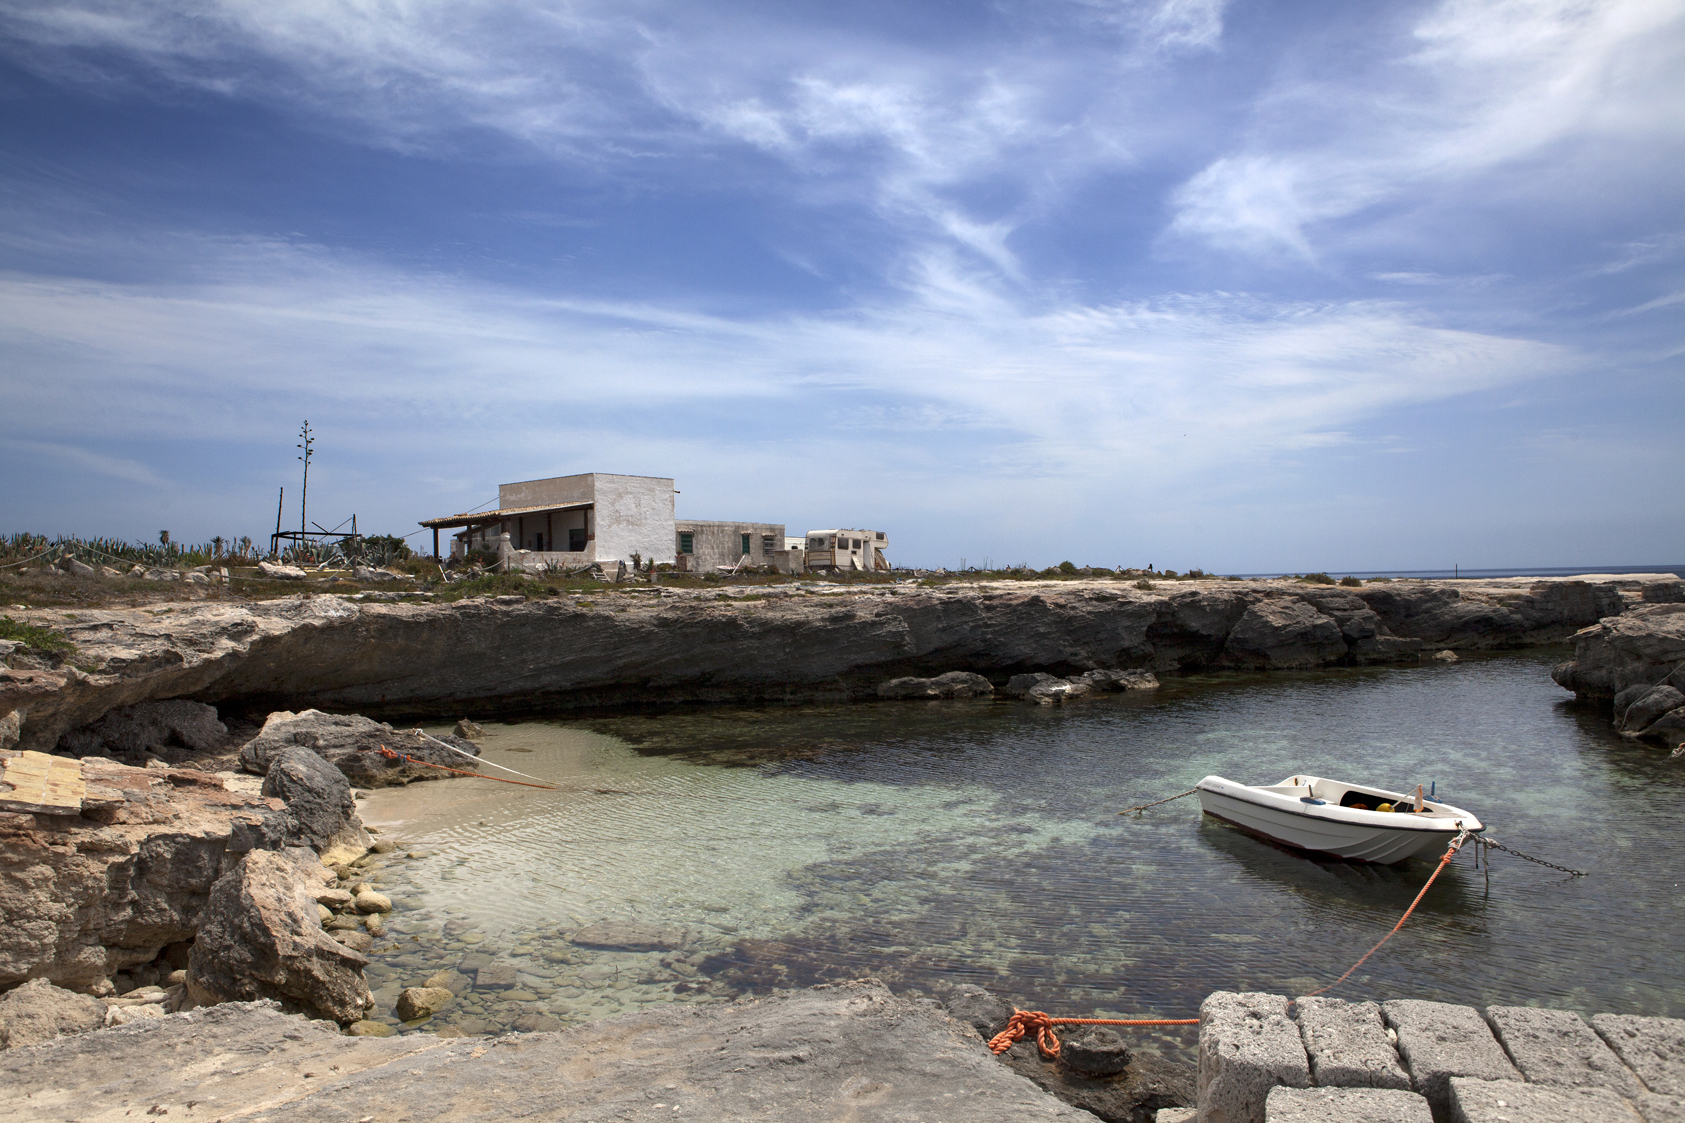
(1345, 1105)
(1509, 1101)
(1557, 1047)
(1654, 1048)
(1348, 1045)
(1247, 1045)
(1439, 1040)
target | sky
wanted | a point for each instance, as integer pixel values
(1248, 286)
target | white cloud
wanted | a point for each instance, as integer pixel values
(1073, 392)
(1486, 82)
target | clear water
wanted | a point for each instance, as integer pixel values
(935, 843)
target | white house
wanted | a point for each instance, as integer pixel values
(847, 549)
(571, 521)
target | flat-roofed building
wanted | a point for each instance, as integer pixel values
(570, 521)
(702, 545)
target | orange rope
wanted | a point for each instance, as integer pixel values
(390, 754)
(1023, 1021)
(1450, 853)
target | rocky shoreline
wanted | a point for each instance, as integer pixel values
(750, 644)
(855, 1051)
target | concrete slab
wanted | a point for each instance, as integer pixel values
(1654, 1048)
(1557, 1047)
(1349, 1046)
(1438, 1041)
(1660, 1109)
(1507, 1101)
(1247, 1045)
(1345, 1105)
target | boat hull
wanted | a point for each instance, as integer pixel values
(1332, 832)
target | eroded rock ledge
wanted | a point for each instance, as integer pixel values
(1635, 665)
(771, 644)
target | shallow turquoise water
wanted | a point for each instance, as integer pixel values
(935, 843)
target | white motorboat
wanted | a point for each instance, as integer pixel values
(1330, 817)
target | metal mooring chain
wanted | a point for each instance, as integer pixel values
(1492, 844)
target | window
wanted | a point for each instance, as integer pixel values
(687, 543)
(576, 539)
(745, 544)
(538, 542)
(767, 544)
(854, 543)
(880, 536)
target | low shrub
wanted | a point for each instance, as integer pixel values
(1143, 584)
(1350, 582)
(1316, 579)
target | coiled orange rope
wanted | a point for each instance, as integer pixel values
(1023, 1021)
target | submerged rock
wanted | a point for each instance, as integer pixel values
(626, 935)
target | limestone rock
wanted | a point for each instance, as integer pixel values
(94, 895)
(1348, 1045)
(978, 1008)
(953, 684)
(1247, 1045)
(1655, 702)
(422, 1002)
(468, 730)
(1097, 1051)
(174, 731)
(369, 1029)
(539, 1023)
(1121, 680)
(368, 901)
(322, 814)
(259, 938)
(1441, 1040)
(354, 938)
(1654, 1048)
(38, 1011)
(1663, 592)
(1346, 1105)
(11, 726)
(364, 573)
(627, 935)
(1446, 656)
(352, 744)
(1642, 647)
(1282, 632)
(281, 572)
(1500, 1101)
(848, 1051)
(78, 567)
(1558, 1047)
(1020, 685)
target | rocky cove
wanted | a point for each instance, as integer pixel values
(626, 648)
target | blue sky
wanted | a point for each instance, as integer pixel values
(1246, 286)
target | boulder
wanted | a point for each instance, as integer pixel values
(422, 1002)
(1020, 685)
(355, 939)
(1119, 680)
(1669, 728)
(953, 684)
(174, 731)
(364, 573)
(1446, 656)
(352, 744)
(982, 1010)
(107, 571)
(260, 937)
(1653, 704)
(1097, 1051)
(1645, 646)
(38, 1011)
(79, 568)
(1283, 632)
(368, 901)
(468, 730)
(281, 572)
(322, 813)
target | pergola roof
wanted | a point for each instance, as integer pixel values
(479, 518)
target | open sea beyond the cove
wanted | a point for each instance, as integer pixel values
(935, 843)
